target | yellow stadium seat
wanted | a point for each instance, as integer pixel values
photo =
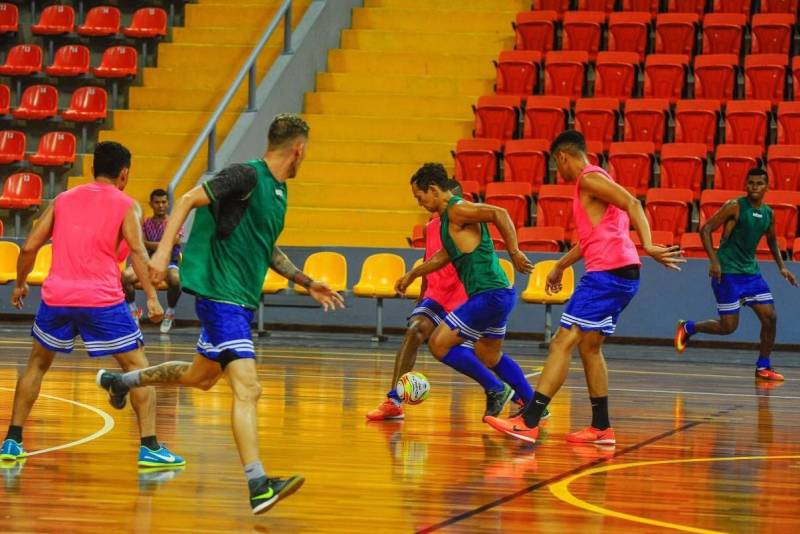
(415, 288)
(273, 283)
(378, 275)
(9, 252)
(508, 268)
(328, 267)
(535, 292)
(41, 267)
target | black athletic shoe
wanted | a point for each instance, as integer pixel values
(273, 490)
(117, 391)
(497, 400)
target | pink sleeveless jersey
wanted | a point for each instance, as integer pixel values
(443, 285)
(608, 245)
(87, 224)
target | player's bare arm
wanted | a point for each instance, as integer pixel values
(436, 262)
(319, 291)
(728, 212)
(772, 241)
(469, 213)
(609, 192)
(37, 237)
(132, 233)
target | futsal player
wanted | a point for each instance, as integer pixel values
(240, 214)
(83, 295)
(603, 212)
(482, 319)
(153, 230)
(735, 275)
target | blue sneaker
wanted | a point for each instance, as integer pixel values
(160, 458)
(12, 451)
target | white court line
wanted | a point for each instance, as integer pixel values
(108, 424)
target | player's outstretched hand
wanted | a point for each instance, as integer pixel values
(18, 296)
(789, 275)
(553, 283)
(326, 296)
(521, 262)
(715, 271)
(669, 257)
(157, 266)
(154, 311)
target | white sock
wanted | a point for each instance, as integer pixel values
(170, 311)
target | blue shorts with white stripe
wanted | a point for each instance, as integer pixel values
(105, 331)
(598, 301)
(224, 329)
(737, 288)
(483, 315)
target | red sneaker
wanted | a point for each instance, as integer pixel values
(386, 410)
(681, 337)
(514, 427)
(769, 374)
(593, 435)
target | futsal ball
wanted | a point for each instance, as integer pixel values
(413, 387)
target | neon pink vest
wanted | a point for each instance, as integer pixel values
(444, 286)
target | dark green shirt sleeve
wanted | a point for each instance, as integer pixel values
(235, 182)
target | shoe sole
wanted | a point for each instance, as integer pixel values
(110, 397)
(510, 433)
(287, 491)
(8, 458)
(767, 379)
(163, 465)
(595, 442)
(390, 418)
(678, 347)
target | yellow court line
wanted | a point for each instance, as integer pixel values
(108, 424)
(561, 489)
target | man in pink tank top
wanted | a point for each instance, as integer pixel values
(603, 213)
(82, 295)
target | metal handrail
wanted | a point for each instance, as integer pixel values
(249, 69)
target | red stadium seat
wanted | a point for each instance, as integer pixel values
(763, 252)
(117, 62)
(9, 18)
(796, 77)
(417, 239)
(783, 166)
(517, 72)
(692, 245)
(497, 238)
(732, 6)
(715, 76)
(631, 165)
(496, 116)
(779, 6)
(582, 30)
(648, 6)
(22, 190)
(732, 163)
(696, 122)
(646, 120)
(683, 166)
(471, 190)
(659, 237)
(540, 238)
(628, 32)
(535, 30)
(747, 122)
(722, 33)
(596, 119)
(559, 6)
(525, 160)
(686, 6)
(765, 76)
(88, 104)
(69, 61)
(784, 206)
(554, 207)
(675, 33)
(772, 33)
(514, 197)
(22, 60)
(594, 151)
(55, 150)
(545, 116)
(55, 20)
(38, 102)
(711, 200)
(665, 76)
(789, 123)
(476, 160)
(615, 74)
(564, 73)
(5, 99)
(147, 23)
(606, 6)
(669, 209)
(12, 146)
(101, 21)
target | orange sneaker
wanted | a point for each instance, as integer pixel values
(681, 337)
(769, 374)
(593, 435)
(514, 427)
(386, 410)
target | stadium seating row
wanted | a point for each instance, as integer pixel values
(100, 21)
(680, 6)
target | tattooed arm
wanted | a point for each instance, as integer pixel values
(282, 265)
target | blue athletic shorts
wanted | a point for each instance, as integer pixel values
(224, 328)
(737, 288)
(597, 302)
(430, 309)
(483, 315)
(105, 331)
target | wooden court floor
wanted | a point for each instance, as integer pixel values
(702, 448)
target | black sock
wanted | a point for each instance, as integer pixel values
(151, 443)
(15, 433)
(600, 413)
(533, 413)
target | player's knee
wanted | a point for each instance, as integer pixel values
(770, 320)
(248, 392)
(206, 384)
(729, 327)
(418, 332)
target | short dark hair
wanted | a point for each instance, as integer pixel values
(286, 127)
(109, 159)
(571, 141)
(454, 187)
(757, 171)
(431, 174)
(157, 193)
